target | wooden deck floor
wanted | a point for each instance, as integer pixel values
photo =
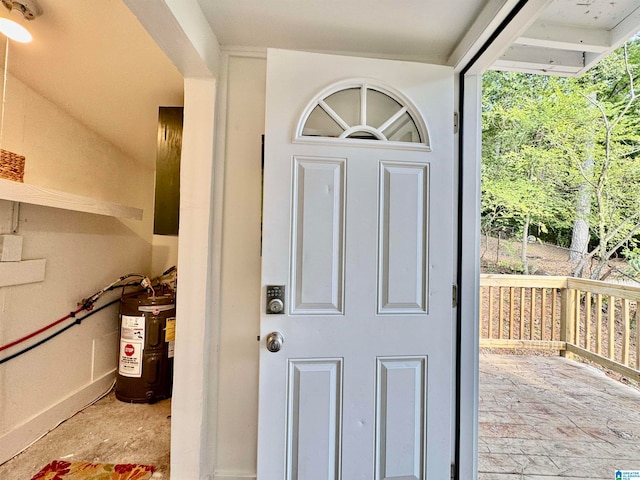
(544, 418)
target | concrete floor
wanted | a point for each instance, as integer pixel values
(110, 431)
(541, 418)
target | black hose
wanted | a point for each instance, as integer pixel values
(77, 321)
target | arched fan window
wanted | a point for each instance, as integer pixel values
(365, 112)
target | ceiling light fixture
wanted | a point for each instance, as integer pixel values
(12, 29)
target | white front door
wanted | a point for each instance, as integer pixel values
(359, 232)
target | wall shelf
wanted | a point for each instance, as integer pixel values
(47, 197)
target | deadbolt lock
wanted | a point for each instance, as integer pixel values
(275, 299)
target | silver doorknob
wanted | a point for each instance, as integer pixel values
(274, 342)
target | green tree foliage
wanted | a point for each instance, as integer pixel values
(537, 133)
(525, 174)
(617, 169)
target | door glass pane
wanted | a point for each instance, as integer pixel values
(384, 117)
(320, 124)
(403, 130)
(380, 108)
(363, 136)
(346, 103)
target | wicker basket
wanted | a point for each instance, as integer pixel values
(11, 166)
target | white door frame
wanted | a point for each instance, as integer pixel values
(179, 28)
(469, 276)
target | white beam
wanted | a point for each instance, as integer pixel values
(622, 32)
(486, 22)
(181, 30)
(541, 59)
(518, 25)
(565, 37)
(626, 29)
(516, 67)
(592, 45)
(592, 59)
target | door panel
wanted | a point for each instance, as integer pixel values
(360, 234)
(400, 418)
(403, 200)
(314, 414)
(318, 261)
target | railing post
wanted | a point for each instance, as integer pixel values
(611, 321)
(626, 322)
(567, 320)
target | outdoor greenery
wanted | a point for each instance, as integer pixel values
(561, 159)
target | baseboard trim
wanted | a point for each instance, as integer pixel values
(234, 476)
(23, 435)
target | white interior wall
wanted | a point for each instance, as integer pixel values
(84, 252)
(240, 274)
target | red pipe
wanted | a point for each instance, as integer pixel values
(33, 334)
(87, 304)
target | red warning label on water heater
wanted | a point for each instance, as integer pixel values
(130, 364)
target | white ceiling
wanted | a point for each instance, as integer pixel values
(95, 60)
(423, 30)
(562, 37)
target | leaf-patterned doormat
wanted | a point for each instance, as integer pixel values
(61, 470)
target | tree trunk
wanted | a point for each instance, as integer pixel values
(525, 241)
(580, 234)
(595, 275)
